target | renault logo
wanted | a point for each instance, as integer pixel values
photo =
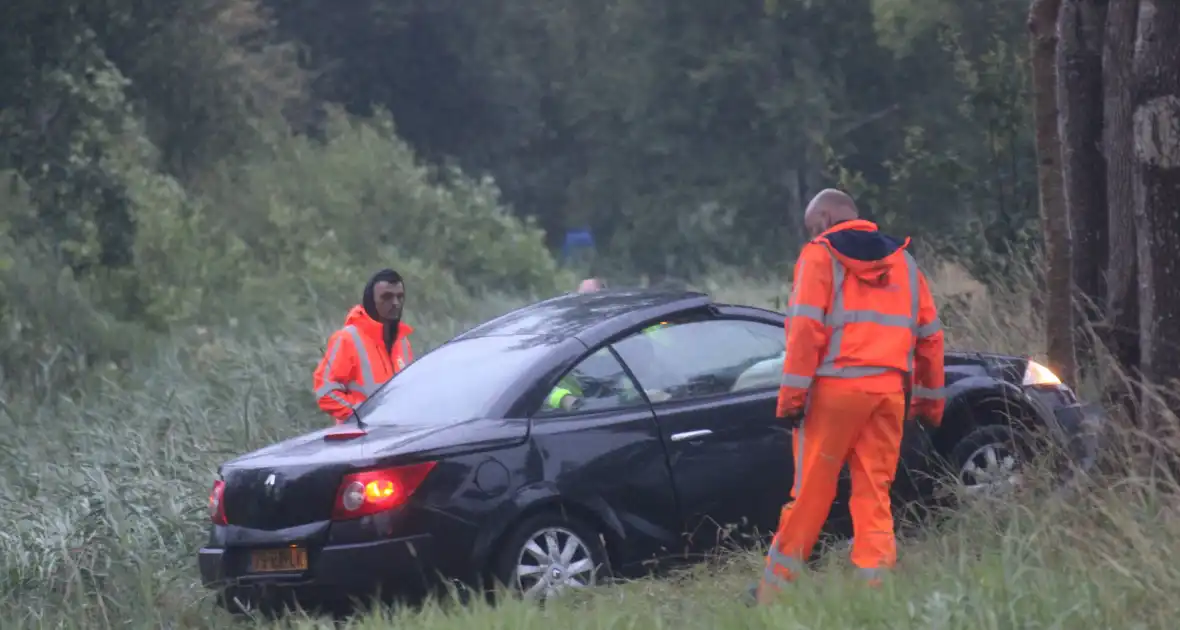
(270, 482)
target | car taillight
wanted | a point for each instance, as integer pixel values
(373, 491)
(217, 503)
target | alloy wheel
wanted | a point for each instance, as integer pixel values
(553, 560)
(992, 469)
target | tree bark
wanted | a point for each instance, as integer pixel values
(1120, 331)
(1059, 316)
(1080, 99)
(1155, 97)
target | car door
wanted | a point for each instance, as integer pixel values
(605, 452)
(713, 383)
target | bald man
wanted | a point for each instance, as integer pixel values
(591, 285)
(863, 335)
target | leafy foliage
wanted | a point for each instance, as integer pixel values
(186, 162)
(192, 193)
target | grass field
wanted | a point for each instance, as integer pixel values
(103, 500)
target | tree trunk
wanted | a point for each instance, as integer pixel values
(1121, 326)
(1059, 316)
(1079, 96)
(1155, 97)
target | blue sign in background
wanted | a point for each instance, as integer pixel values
(578, 242)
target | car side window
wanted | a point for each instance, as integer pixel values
(597, 383)
(705, 358)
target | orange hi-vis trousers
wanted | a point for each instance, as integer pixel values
(843, 423)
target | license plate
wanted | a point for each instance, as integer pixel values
(286, 560)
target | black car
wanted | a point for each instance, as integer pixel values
(462, 470)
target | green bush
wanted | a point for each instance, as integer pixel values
(295, 227)
(324, 205)
(51, 329)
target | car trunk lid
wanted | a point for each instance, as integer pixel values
(294, 482)
(278, 497)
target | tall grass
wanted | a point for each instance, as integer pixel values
(103, 497)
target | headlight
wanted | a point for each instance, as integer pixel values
(1037, 374)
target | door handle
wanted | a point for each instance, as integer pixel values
(690, 435)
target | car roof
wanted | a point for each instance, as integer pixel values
(591, 317)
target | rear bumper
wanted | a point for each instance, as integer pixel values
(400, 568)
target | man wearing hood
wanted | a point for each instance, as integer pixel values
(369, 350)
(863, 337)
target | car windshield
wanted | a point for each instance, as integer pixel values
(454, 383)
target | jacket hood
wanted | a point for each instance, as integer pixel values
(359, 317)
(865, 252)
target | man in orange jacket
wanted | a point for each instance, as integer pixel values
(862, 332)
(369, 350)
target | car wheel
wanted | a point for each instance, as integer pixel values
(989, 460)
(549, 553)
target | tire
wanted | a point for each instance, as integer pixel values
(989, 459)
(588, 566)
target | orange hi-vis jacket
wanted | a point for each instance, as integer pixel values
(356, 363)
(861, 311)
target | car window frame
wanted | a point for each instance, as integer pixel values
(705, 398)
(541, 415)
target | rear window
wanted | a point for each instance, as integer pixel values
(456, 382)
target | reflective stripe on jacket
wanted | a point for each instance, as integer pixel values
(861, 309)
(356, 363)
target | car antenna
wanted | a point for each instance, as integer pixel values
(360, 424)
